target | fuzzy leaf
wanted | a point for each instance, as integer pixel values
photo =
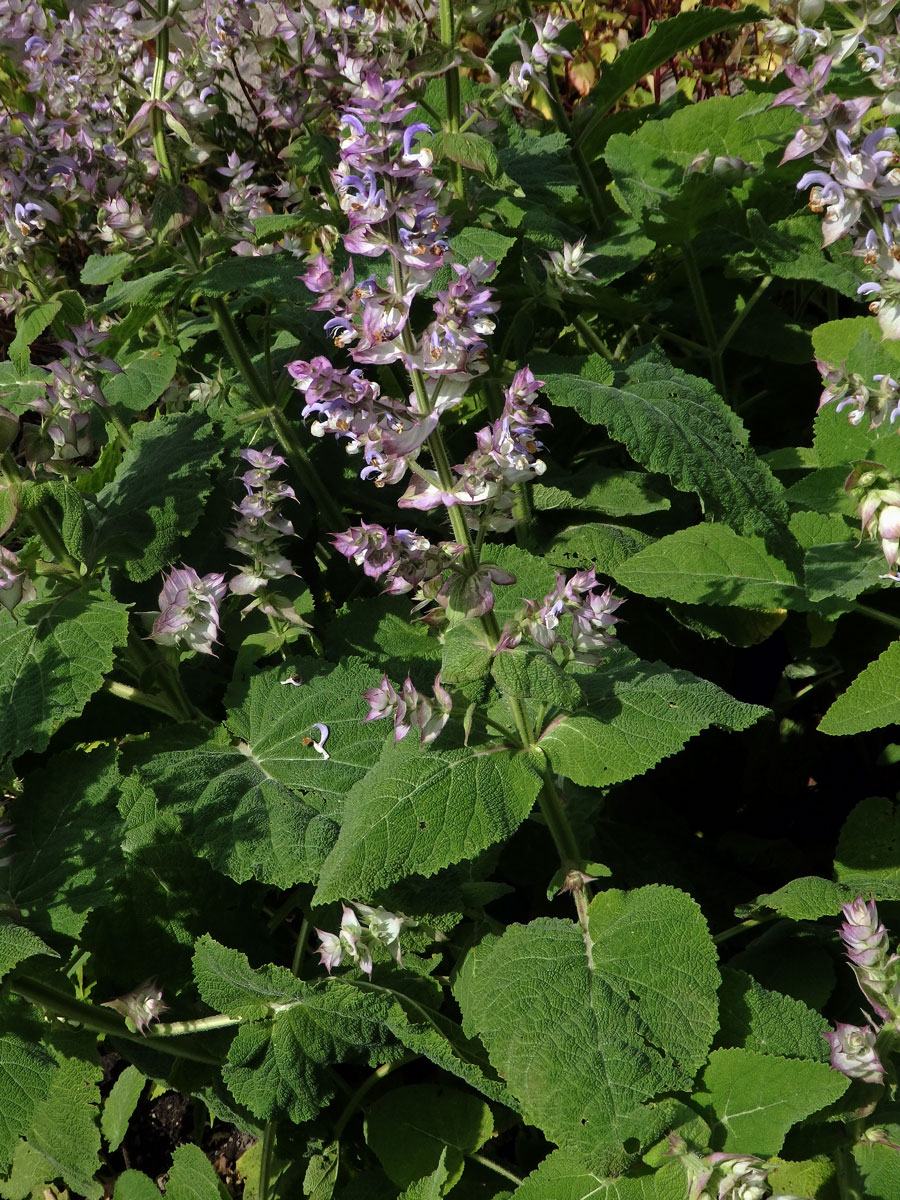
(17, 944)
(274, 718)
(758, 1097)
(561, 1176)
(20, 389)
(416, 812)
(433, 1186)
(192, 1176)
(150, 291)
(637, 714)
(675, 424)
(228, 984)
(157, 495)
(246, 824)
(880, 1168)
(119, 1106)
(26, 1072)
(67, 842)
(711, 564)
(754, 1018)
(135, 1185)
(871, 701)
(584, 1049)
(531, 674)
(52, 660)
(866, 859)
(596, 544)
(30, 324)
(104, 268)
(276, 276)
(141, 383)
(807, 899)
(606, 490)
(411, 1128)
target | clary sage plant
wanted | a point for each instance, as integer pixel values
(448, 634)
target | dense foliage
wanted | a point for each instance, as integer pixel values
(446, 660)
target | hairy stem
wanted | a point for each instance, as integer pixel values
(698, 291)
(365, 1087)
(451, 86)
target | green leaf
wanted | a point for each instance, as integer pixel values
(532, 674)
(417, 811)
(135, 1185)
(467, 658)
(26, 1072)
(792, 249)
(711, 564)
(309, 151)
(74, 525)
(561, 1176)
(433, 1187)
(31, 322)
(228, 984)
(542, 166)
(603, 489)
(20, 389)
(754, 1018)
(597, 544)
(757, 1098)
(67, 842)
(64, 1130)
(141, 383)
(52, 660)
(157, 495)
(871, 701)
(675, 424)
(17, 944)
(807, 899)
(151, 291)
(274, 719)
(836, 567)
(244, 823)
(119, 1106)
(880, 1168)
(412, 1129)
(471, 149)
(192, 1177)
(104, 268)
(867, 859)
(637, 714)
(663, 41)
(278, 1066)
(274, 276)
(584, 1043)
(808, 1177)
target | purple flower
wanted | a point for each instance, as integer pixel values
(866, 943)
(853, 1053)
(410, 709)
(141, 1007)
(189, 610)
(15, 586)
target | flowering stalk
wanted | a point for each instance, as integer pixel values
(451, 85)
(234, 344)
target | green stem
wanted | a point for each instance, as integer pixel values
(877, 615)
(89, 1016)
(142, 658)
(451, 87)
(365, 1087)
(198, 1025)
(695, 281)
(126, 692)
(42, 523)
(265, 1159)
(591, 338)
(300, 948)
(745, 312)
(492, 1166)
(742, 927)
(593, 195)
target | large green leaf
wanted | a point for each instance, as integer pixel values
(415, 812)
(245, 823)
(142, 381)
(561, 1176)
(26, 1072)
(31, 322)
(636, 714)
(291, 1031)
(274, 718)
(758, 1097)
(157, 495)
(52, 660)
(880, 1168)
(193, 1177)
(67, 842)
(754, 1018)
(871, 701)
(675, 424)
(711, 564)
(866, 860)
(17, 943)
(586, 1031)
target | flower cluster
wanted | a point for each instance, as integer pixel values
(410, 709)
(854, 1048)
(141, 1007)
(539, 44)
(723, 1175)
(878, 493)
(359, 934)
(189, 610)
(567, 273)
(258, 533)
(15, 586)
(877, 400)
(592, 618)
(858, 179)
